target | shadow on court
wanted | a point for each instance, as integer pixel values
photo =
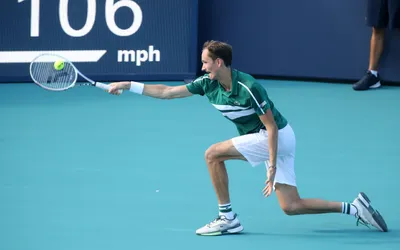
(348, 236)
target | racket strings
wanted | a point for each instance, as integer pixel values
(44, 73)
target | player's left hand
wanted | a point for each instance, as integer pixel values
(269, 183)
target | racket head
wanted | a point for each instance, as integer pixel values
(44, 74)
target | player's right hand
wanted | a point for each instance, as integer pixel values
(116, 88)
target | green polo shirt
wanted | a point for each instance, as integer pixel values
(242, 105)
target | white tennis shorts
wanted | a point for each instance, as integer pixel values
(254, 147)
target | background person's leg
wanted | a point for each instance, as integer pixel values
(377, 17)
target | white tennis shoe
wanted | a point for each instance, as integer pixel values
(367, 215)
(221, 225)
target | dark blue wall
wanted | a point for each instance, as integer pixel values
(285, 38)
(291, 38)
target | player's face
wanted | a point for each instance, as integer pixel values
(209, 65)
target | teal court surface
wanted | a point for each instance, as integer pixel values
(84, 170)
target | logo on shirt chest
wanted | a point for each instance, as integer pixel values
(233, 102)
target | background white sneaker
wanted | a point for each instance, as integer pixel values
(221, 225)
(367, 215)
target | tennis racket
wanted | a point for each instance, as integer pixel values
(44, 74)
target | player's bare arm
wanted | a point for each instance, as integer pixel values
(272, 129)
(159, 91)
(166, 92)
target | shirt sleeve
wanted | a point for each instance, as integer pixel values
(259, 101)
(197, 87)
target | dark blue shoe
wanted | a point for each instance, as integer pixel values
(369, 81)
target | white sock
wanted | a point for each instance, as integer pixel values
(226, 210)
(348, 208)
(374, 72)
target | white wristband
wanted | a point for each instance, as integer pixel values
(137, 87)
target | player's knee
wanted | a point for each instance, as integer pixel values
(289, 210)
(212, 153)
(292, 208)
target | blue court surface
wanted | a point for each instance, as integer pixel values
(84, 170)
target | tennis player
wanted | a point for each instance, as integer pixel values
(265, 136)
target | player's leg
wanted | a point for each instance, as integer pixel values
(291, 203)
(377, 18)
(252, 148)
(215, 157)
(361, 208)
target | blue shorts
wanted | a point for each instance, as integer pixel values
(383, 14)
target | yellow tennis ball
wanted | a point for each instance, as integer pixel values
(58, 65)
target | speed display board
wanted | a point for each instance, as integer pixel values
(107, 39)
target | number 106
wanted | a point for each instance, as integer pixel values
(111, 8)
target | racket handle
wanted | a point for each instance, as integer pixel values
(104, 86)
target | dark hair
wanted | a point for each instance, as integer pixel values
(217, 49)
